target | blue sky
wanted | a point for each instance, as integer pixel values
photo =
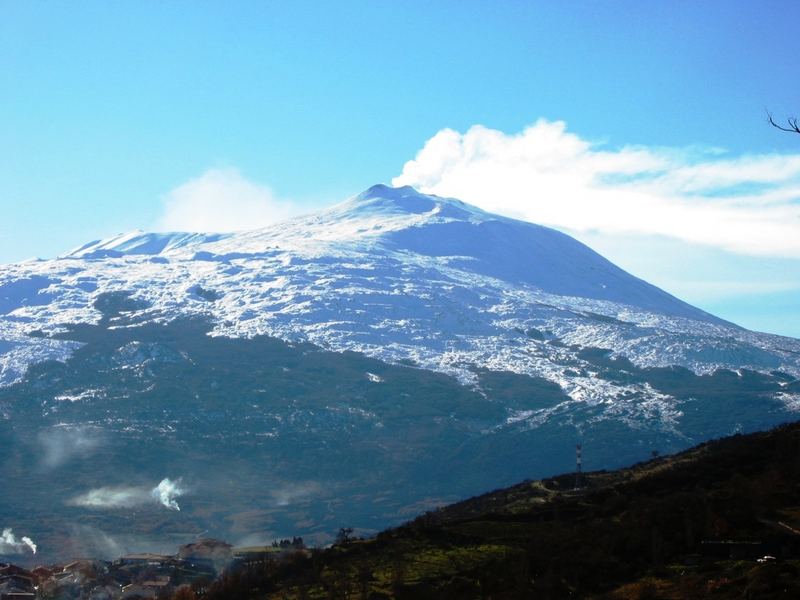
(114, 114)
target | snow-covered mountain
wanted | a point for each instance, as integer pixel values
(397, 275)
(352, 367)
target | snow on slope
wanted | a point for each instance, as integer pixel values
(399, 276)
(139, 242)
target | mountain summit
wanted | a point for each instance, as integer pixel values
(393, 273)
(403, 221)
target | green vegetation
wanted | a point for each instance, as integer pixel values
(639, 533)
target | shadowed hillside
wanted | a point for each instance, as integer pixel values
(686, 526)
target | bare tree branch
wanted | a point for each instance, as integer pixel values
(792, 121)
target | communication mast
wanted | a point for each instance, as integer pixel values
(578, 465)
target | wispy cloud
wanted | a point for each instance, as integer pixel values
(86, 540)
(222, 200)
(545, 174)
(112, 497)
(60, 445)
(165, 493)
(289, 493)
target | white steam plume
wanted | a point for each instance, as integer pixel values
(289, 493)
(165, 493)
(222, 200)
(61, 444)
(112, 497)
(9, 544)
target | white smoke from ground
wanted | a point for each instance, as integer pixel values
(165, 493)
(86, 540)
(289, 493)
(112, 497)
(9, 544)
(61, 444)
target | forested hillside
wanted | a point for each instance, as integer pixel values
(693, 525)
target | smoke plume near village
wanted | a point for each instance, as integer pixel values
(165, 494)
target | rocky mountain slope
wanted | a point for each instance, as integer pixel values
(396, 275)
(353, 366)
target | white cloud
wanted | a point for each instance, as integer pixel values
(698, 274)
(221, 200)
(544, 174)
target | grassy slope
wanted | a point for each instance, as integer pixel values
(627, 534)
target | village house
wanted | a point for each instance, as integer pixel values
(146, 589)
(41, 573)
(143, 559)
(208, 553)
(16, 583)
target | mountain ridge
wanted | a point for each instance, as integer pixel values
(395, 217)
(381, 214)
(393, 273)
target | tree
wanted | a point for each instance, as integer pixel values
(184, 593)
(793, 126)
(344, 536)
